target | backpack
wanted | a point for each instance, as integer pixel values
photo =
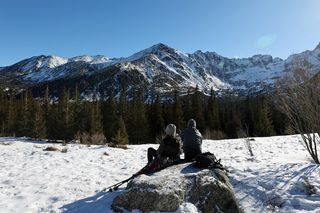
(208, 160)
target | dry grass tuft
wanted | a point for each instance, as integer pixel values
(51, 149)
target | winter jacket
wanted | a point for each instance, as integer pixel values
(170, 147)
(192, 141)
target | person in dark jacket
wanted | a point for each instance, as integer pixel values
(192, 141)
(170, 146)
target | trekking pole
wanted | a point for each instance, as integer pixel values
(115, 187)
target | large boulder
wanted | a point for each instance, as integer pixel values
(208, 189)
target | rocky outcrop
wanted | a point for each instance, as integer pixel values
(209, 190)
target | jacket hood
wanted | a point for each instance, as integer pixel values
(192, 124)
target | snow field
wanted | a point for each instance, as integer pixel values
(279, 177)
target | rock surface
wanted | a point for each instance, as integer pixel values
(209, 190)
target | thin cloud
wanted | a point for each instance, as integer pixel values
(265, 41)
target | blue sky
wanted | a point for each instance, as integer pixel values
(115, 28)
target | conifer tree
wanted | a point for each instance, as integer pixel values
(81, 116)
(122, 105)
(67, 112)
(46, 112)
(233, 123)
(121, 136)
(138, 128)
(109, 117)
(40, 124)
(264, 126)
(197, 109)
(167, 110)
(54, 123)
(3, 104)
(177, 112)
(26, 121)
(11, 116)
(96, 119)
(212, 112)
(187, 108)
(156, 118)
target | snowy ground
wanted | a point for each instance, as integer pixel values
(278, 178)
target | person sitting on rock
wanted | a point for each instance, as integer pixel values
(170, 146)
(192, 141)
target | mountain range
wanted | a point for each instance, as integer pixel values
(158, 69)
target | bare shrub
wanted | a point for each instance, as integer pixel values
(6, 143)
(214, 134)
(90, 139)
(64, 150)
(298, 96)
(98, 138)
(273, 201)
(244, 134)
(113, 145)
(309, 188)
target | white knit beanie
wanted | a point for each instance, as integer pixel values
(171, 130)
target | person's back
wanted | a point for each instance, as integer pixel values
(192, 141)
(170, 146)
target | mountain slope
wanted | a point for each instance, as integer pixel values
(159, 68)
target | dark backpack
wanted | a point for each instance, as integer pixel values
(208, 160)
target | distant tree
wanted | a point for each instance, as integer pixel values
(123, 105)
(96, 119)
(178, 119)
(3, 106)
(138, 128)
(212, 112)
(187, 108)
(81, 114)
(156, 118)
(249, 107)
(11, 116)
(40, 130)
(47, 107)
(66, 110)
(198, 109)
(26, 121)
(121, 136)
(263, 125)
(233, 124)
(109, 113)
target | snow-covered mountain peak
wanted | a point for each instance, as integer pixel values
(41, 62)
(53, 61)
(161, 68)
(160, 47)
(211, 53)
(157, 49)
(90, 59)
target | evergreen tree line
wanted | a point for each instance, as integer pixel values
(136, 121)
